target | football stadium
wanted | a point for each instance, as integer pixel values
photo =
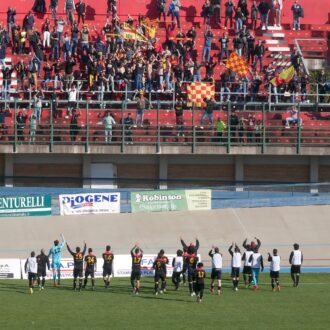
(165, 164)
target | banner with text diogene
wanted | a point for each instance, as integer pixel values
(89, 203)
(171, 200)
(17, 206)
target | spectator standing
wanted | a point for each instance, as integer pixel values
(53, 8)
(297, 12)
(74, 38)
(207, 12)
(161, 9)
(67, 46)
(238, 44)
(208, 37)
(264, 12)
(128, 124)
(210, 104)
(321, 85)
(28, 21)
(250, 48)
(20, 124)
(69, 7)
(72, 99)
(81, 11)
(277, 7)
(216, 5)
(74, 129)
(224, 42)
(141, 102)
(239, 17)
(38, 104)
(45, 29)
(259, 52)
(55, 44)
(254, 15)
(60, 27)
(21, 71)
(11, 20)
(220, 126)
(229, 13)
(176, 4)
(33, 127)
(179, 117)
(108, 122)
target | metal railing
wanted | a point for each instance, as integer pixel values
(269, 129)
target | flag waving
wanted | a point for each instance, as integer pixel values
(197, 91)
(284, 77)
(237, 64)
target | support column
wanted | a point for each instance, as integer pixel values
(314, 173)
(163, 165)
(239, 171)
(9, 170)
(86, 171)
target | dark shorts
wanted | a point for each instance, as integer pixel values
(295, 269)
(199, 287)
(89, 272)
(235, 271)
(160, 275)
(41, 272)
(216, 274)
(32, 277)
(136, 275)
(247, 270)
(77, 272)
(191, 276)
(107, 270)
(274, 274)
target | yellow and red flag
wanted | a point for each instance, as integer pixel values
(284, 77)
(197, 91)
(238, 64)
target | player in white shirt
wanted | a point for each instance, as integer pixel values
(31, 268)
(256, 263)
(275, 266)
(177, 264)
(296, 259)
(247, 273)
(216, 268)
(236, 263)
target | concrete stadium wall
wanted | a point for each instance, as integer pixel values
(144, 171)
(277, 227)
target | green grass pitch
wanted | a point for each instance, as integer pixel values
(306, 307)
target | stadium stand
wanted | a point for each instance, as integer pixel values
(281, 102)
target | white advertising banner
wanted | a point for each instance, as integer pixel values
(92, 203)
(67, 269)
(10, 268)
(122, 265)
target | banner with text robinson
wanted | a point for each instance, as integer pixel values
(170, 200)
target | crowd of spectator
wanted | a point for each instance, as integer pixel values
(69, 56)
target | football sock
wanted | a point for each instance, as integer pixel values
(43, 281)
(190, 287)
